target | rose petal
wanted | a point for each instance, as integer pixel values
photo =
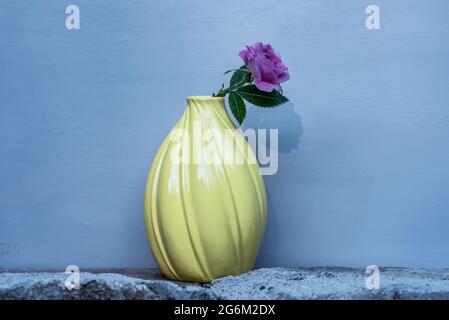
(283, 77)
(268, 74)
(264, 86)
(255, 69)
(244, 55)
(265, 65)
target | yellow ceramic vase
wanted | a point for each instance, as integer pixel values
(205, 201)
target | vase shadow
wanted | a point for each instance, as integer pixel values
(290, 130)
(284, 118)
(267, 256)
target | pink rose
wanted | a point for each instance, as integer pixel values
(265, 66)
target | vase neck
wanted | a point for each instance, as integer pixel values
(206, 108)
(205, 102)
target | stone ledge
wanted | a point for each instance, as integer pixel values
(269, 283)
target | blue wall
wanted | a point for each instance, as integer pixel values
(364, 166)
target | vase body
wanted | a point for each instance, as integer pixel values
(205, 208)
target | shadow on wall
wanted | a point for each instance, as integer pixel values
(284, 118)
(287, 120)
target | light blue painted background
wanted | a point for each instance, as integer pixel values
(364, 163)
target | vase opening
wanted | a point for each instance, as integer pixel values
(206, 102)
(204, 98)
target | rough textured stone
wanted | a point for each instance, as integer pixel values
(95, 286)
(272, 283)
(333, 283)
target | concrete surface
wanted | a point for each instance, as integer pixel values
(50, 285)
(270, 283)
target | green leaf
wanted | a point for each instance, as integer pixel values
(261, 98)
(239, 75)
(237, 106)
